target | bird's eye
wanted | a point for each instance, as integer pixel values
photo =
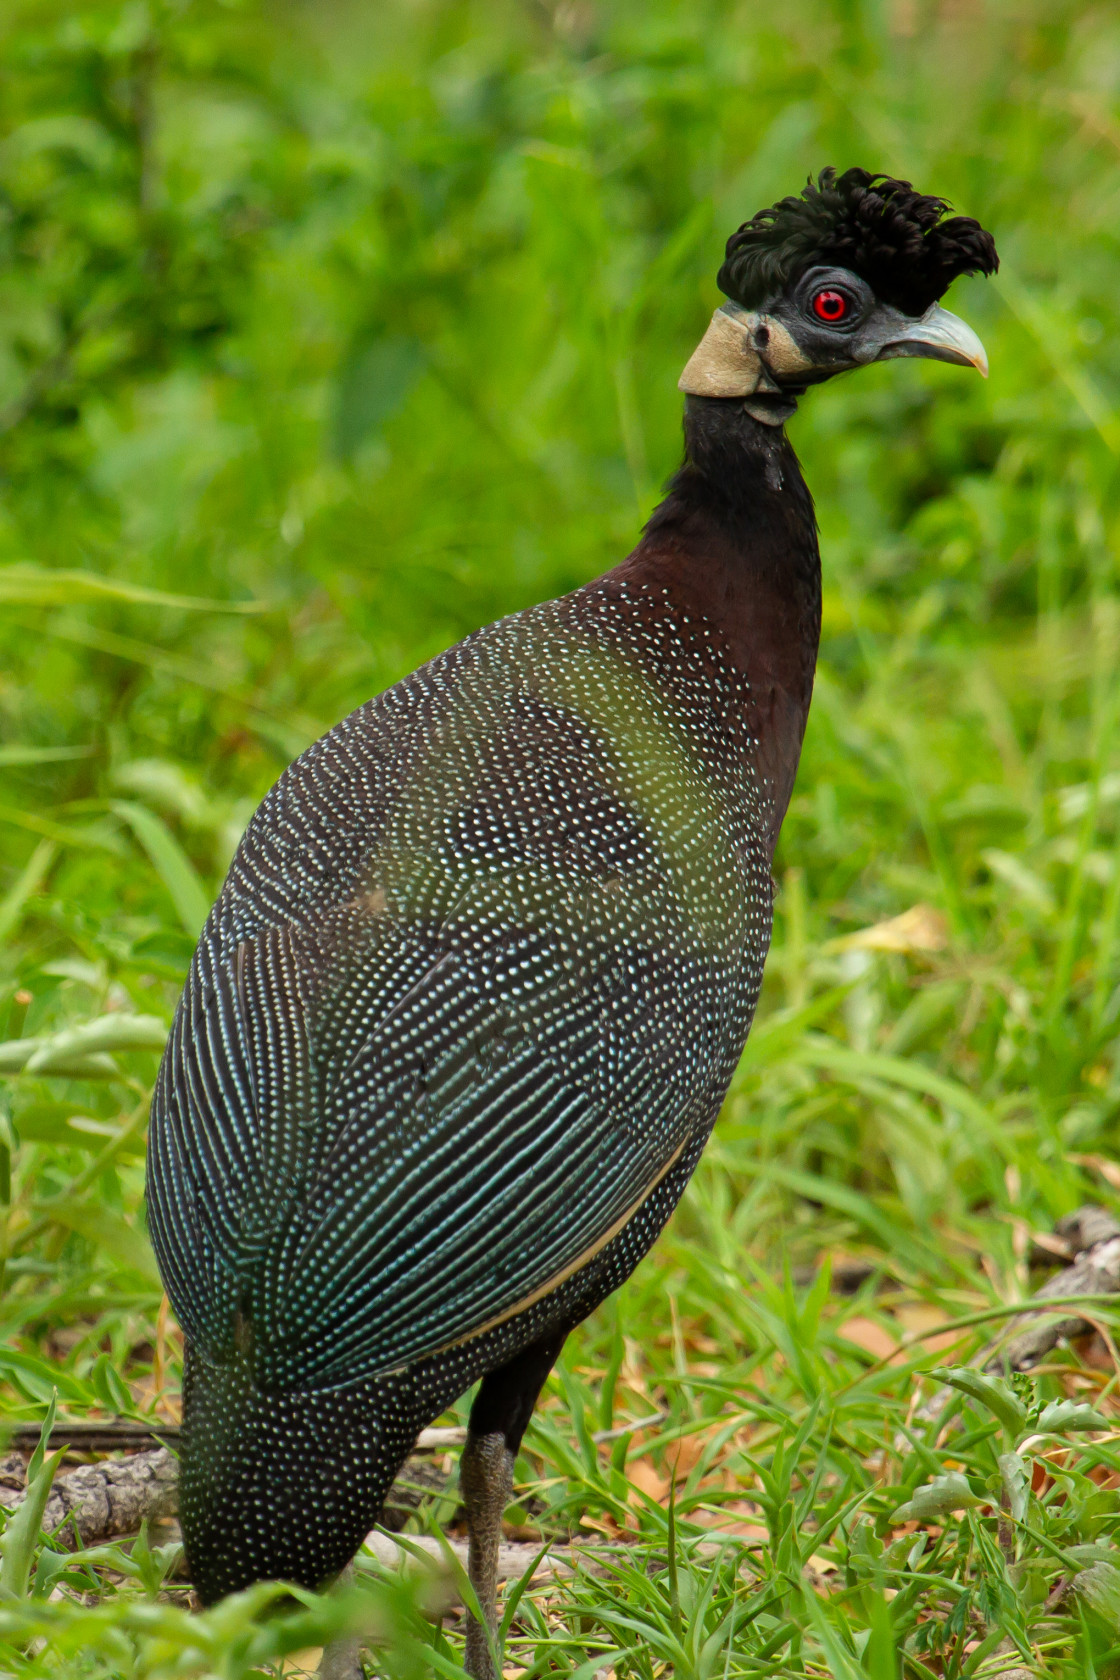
(831, 307)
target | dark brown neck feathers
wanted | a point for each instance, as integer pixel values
(735, 540)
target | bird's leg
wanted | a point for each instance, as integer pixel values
(499, 1417)
(486, 1481)
(342, 1658)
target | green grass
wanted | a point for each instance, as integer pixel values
(331, 331)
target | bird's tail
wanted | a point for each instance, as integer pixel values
(280, 1486)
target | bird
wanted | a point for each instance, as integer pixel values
(464, 1014)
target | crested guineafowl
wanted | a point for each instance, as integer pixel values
(464, 1014)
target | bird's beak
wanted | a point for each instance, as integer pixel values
(940, 335)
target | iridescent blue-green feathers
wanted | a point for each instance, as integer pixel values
(480, 973)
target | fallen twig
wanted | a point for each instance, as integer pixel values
(102, 1501)
(111, 1435)
(1091, 1237)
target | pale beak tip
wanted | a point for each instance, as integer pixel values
(941, 336)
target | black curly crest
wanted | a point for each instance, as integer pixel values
(880, 228)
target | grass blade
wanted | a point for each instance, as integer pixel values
(29, 585)
(21, 1537)
(25, 886)
(171, 863)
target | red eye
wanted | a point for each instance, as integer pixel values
(830, 306)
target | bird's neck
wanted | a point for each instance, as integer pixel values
(734, 546)
(735, 543)
(735, 540)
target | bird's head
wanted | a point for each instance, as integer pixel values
(848, 273)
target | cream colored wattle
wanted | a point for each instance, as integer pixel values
(725, 363)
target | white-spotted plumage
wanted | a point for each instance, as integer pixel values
(469, 1001)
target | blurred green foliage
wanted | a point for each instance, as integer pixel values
(330, 331)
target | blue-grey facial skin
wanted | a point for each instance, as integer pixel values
(870, 331)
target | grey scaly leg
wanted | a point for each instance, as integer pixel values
(486, 1482)
(499, 1417)
(342, 1658)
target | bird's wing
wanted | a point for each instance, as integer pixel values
(382, 1128)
